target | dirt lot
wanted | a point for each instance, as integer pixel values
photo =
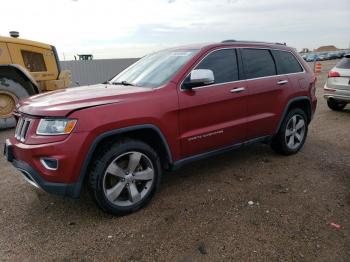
(202, 210)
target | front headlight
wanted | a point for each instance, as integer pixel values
(51, 127)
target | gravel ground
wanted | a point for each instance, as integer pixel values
(201, 212)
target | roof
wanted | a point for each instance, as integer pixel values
(237, 43)
(23, 42)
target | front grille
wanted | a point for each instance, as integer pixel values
(22, 129)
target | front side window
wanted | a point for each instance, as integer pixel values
(223, 63)
(156, 69)
(286, 62)
(33, 61)
(257, 63)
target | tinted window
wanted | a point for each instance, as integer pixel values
(257, 63)
(286, 62)
(344, 63)
(223, 63)
(33, 61)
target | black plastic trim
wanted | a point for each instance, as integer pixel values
(215, 152)
(8, 150)
(54, 50)
(286, 108)
(240, 64)
(59, 189)
(88, 158)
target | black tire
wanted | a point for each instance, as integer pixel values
(336, 105)
(105, 157)
(279, 142)
(10, 86)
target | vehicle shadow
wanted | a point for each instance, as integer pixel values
(84, 210)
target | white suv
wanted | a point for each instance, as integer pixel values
(337, 87)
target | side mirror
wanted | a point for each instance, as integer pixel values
(199, 77)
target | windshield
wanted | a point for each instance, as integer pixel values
(154, 70)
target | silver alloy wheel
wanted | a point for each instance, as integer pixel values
(128, 178)
(295, 131)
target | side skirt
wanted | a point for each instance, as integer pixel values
(184, 161)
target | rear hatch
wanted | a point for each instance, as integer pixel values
(339, 76)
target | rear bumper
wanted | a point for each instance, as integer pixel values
(35, 178)
(336, 94)
(337, 91)
(337, 97)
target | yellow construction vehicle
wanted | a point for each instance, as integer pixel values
(26, 68)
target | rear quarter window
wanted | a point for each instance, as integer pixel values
(286, 62)
(257, 63)
(344, 63)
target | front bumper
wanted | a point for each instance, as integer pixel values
(33, 176)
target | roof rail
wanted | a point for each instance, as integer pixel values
(228, 41)
(248, 41)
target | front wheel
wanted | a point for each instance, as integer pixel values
(292, 134)
(336, 105)
(125, 177)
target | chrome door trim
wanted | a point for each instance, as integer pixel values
(282, 82)
(237, 90)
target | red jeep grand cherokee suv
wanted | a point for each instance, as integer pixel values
(167, 109)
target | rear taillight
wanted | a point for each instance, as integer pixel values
(333, 74)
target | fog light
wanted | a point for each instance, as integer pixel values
(49, 163)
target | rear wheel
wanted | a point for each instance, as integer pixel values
(336, 105)
(125, 177)
(10, 93)
(292, 134)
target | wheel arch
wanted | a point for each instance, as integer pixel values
(147, 133)
(20, 75)
(302, 102)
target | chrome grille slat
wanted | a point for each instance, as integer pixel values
(18, 128)
(22, 129)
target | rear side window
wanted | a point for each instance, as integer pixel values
(33, 61)
(257, 63)
(344, 63)
(286, 62)
(223, 63)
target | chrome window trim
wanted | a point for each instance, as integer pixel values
(241, 80)
(31, 180)
(42, 161)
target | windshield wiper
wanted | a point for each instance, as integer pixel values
(124, 83)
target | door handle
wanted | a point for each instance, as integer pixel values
(237, 90)
(282, 82)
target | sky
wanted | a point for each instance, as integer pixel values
(133, 28)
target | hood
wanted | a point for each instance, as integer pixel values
(62, 102)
